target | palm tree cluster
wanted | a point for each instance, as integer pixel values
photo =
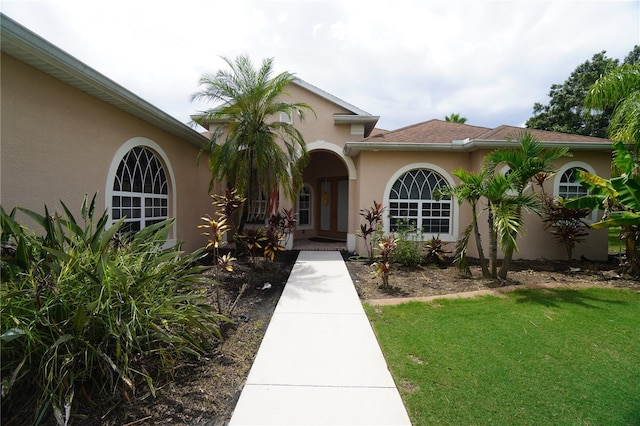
(505, 196)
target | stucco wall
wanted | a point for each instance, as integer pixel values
(57, 143)
(376, 170)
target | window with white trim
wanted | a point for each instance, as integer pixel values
(140, 190)
(411, 202)
(304, 207)
(569, 186)
(286, 118)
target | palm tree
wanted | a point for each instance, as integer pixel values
(455, 118)
(250, 148)
(619, 88)
(470, 189)
(524, 163)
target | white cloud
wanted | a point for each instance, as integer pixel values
(406, 61)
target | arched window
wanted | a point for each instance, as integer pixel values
(304, 208)
(412, 203)
(140, 190)
(569, 186)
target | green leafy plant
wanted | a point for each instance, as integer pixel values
(78, 310)
(408, 246)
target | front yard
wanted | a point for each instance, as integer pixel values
(539, 357)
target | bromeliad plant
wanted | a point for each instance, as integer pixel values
(80, 311)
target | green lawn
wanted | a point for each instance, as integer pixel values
(534, 357)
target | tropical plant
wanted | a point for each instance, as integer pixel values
(526, 162)
(254, 239)
(567, 225)
(619, 197)
(216, 229)
(382, 265)
(283, 224)
(470, 189)
(273, 243)
(249, 147)
(435, 251)
(373, 217)
(78, 310)
(455, 118)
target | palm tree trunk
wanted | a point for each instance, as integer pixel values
(476, 230)
(508, 255)
(506, 263)
(493, 245)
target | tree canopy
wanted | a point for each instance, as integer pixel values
(566, 111)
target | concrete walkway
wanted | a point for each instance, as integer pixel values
(319, 362)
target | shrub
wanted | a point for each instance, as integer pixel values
(408, 246)
(79, 310)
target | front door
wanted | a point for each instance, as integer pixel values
(333, 210)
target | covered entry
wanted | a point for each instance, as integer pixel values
(327, 180)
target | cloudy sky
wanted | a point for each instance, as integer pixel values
(406, 61)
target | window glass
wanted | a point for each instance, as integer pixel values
(304, 206)
(140, 190)
(569, 186)
(412, 203)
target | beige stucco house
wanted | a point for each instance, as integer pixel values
(67, 130)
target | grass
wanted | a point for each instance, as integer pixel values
(535, 357)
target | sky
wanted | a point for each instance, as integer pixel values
(405, 61)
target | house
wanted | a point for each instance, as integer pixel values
(68, 130)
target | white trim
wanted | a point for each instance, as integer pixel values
(351, 243)
(452, 236)
(563, 169)
(327, 146)
(113, 169)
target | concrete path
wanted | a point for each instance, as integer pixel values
(319, 362)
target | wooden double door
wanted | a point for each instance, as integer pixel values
(333, 207)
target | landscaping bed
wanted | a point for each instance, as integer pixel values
(204, 391)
